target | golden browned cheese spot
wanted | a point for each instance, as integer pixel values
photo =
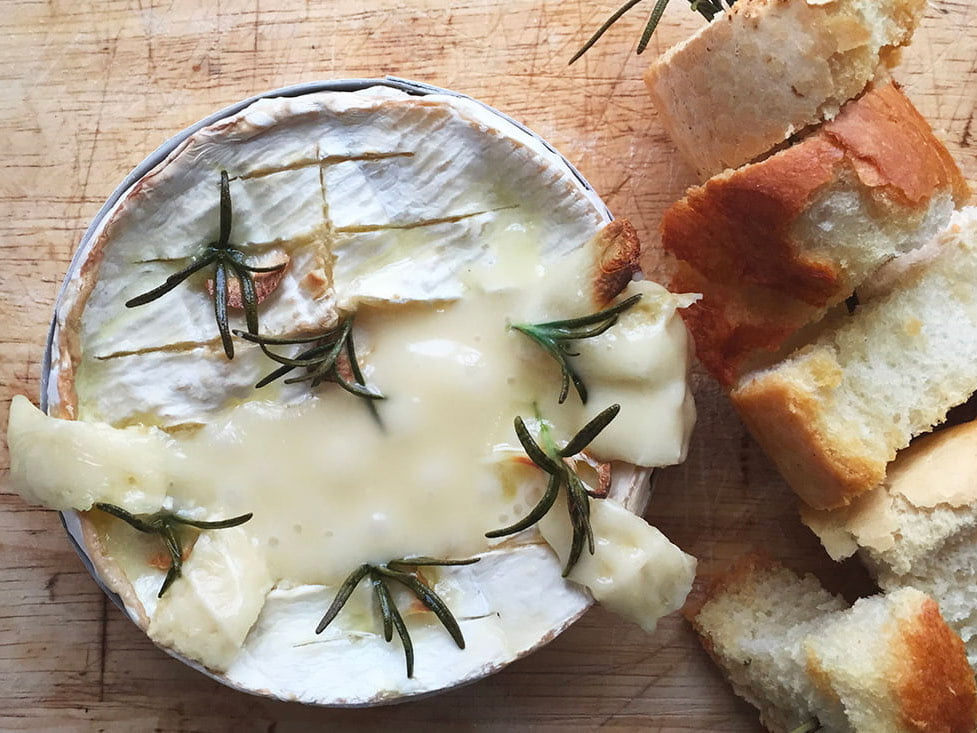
(936, 689)
(618, 250)
(315, 284)
(603, 479)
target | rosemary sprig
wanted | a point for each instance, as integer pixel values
(555, 338)
(227, 260)
(709, 9)
(551, 460)
(322, 361)
(165, 525)
(404, 572)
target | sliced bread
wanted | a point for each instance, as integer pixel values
(799, 654)
(768, 69)
(773, 245)
(836, 411)
(919, 528)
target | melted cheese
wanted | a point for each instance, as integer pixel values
(64, 464)
(331, 490)
(641, 363)
(634, 571)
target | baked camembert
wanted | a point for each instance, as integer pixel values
(433, 226)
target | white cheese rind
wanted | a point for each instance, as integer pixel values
(63, 464)
(496, 603)
(352, 165)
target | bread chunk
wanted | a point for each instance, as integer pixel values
(919, 528)
(836, 411)
(796, 652)
(768, 69)
(753, 623)
(773, 245)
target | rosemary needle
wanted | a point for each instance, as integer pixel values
(164, 524)
(708, 9)
(404, 572)
(228, 261)
(555, 336)
(550, 459)
(322, 361)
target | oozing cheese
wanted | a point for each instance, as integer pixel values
(641, 364)
(330, 489)
(635, 571)
(65, 464)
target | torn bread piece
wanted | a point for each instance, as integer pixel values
(918, 528)
(767, 69)
(803, 658)
(773, 245)
(835, 412)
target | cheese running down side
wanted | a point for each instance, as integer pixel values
(63, 464)
(435, 226)
(635, 571)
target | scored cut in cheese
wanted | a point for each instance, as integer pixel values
(439, 225)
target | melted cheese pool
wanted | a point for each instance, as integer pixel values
(330, 488)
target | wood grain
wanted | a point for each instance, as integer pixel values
(91, 88)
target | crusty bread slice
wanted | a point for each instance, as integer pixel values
(919, 528)
(752, 622)
(835, 412)
(773, 245)
(767, 69)
(895, 665)
(889, 663)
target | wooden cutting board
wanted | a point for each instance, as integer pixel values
(91, 88)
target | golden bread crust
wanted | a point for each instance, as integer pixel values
(736, 227)
(920, 680)
(785, 422)
(740, 575)
(738, 241)
(893, 148)
(934, 684)
(732, 324)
